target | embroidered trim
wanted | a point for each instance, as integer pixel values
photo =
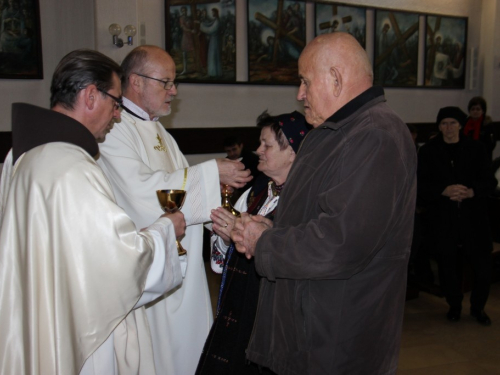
(160, 147)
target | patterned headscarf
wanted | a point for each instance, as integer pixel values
(295, 128)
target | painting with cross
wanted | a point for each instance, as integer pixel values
(276, 37)
(396, 48)
(445, 51)
(332, 17)
(201, 38)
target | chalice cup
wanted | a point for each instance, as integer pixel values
(171, 201)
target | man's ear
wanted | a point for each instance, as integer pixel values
(135, 82)
(90, 96)
(337, 81)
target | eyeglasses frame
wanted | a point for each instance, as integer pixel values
(165, 83)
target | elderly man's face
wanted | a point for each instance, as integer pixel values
(155, 100)
(316, 91)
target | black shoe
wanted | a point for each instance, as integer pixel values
(453, 315)
(481, 317)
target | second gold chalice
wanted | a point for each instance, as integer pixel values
(171, 201)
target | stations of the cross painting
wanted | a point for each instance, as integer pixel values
(196, 26)
(400, 40)
(433, 46)
(279, 30)
(334, 24)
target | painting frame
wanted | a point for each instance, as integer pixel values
(348, 18)
(445, 52)
(21, 41)
(204, 46)
(396, 48)
(273, 59)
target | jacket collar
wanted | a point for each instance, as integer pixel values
(33, 126)
(360, 103)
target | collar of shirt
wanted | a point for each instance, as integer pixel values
(136, 109)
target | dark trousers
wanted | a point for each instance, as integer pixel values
(452, 263)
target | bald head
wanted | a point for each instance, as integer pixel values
(334, 69)
(146, 71)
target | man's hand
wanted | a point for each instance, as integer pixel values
(247, 231)
(179, 223)
(233, 173)
(458, 193)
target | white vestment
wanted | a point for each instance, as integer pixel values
(73, 268)
(140, 157)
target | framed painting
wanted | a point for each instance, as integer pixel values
(20, 40)
(201, 38)
(330, 17)
(445, 47)
(276, 37)
(396, 48)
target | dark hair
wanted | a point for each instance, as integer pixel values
(232, 140)
(133, 62)
(77, 70)
(266, 120)
(477, 100)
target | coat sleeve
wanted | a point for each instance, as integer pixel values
(484, 182)
(357, 210)
(430, 189)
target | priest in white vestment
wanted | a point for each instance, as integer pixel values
(140, 157)
(74, 271)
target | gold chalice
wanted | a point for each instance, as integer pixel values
(171, 201)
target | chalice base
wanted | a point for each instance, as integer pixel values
(180, 249)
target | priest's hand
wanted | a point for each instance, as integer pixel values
(179, 223)
(247, 231)
(233, 173)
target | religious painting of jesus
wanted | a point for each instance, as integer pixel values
(201, 38)
(276, 37)
(396, 49)
(445, 52)
(331, 17)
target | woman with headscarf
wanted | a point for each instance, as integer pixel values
(224, 351)
(454, 182)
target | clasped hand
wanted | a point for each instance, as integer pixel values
(458, 193)
(247, 231)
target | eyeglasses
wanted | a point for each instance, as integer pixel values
(118, 101)
(167, 85)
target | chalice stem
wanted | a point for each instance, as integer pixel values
(180, 249)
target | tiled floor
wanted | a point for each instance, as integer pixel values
(433, 346)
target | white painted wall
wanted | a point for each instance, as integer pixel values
(71, 24)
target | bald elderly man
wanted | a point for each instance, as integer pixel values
(334, 262)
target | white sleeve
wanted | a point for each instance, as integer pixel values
(134, 182)
(165, 272)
